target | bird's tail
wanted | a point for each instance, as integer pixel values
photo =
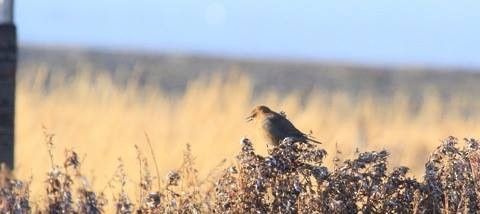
(309, 138)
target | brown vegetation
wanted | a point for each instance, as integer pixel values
(292, 178)
(102, 120)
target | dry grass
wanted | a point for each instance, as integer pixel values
(103, 122)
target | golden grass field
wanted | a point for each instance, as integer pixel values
(102, 122)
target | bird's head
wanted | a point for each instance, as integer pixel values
(258, 111)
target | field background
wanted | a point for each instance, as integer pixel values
(101, 104)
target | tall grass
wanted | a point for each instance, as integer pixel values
(102, 121)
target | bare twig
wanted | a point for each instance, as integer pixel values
(154, 159)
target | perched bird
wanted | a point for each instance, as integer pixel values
(276, 127)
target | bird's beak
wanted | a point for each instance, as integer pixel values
(249, 118)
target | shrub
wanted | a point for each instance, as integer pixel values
(290, 179)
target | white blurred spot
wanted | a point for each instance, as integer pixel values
(215, 14)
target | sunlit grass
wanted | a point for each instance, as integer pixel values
(103, 121)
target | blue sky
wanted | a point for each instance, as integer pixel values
(421, 32)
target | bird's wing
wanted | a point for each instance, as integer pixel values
(285, 126)
(282, 127)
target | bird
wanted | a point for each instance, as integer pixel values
(276, 127)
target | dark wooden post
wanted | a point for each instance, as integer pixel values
(8, 66)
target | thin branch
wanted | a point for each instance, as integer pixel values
(154, 159)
